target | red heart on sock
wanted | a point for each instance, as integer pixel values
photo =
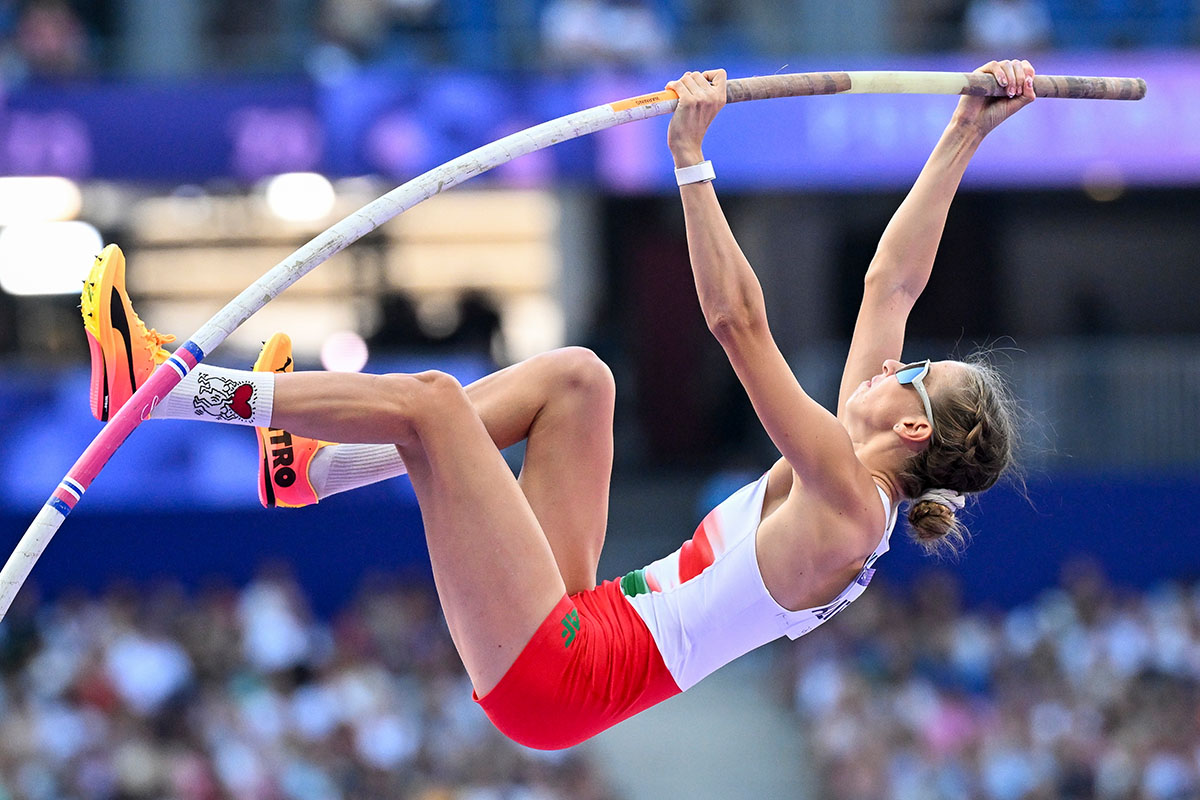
(241, 401)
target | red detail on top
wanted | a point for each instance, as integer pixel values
(241, 401)
(652, 582)
(697, 553)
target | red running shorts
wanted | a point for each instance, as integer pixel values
(591, 664)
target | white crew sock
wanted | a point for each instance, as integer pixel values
(215, 394)
(341, 467)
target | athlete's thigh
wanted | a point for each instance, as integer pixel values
(561, 402)
(494, 570)
(566, 476)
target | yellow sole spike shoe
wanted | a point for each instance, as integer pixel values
(283, 459)
(124, 352)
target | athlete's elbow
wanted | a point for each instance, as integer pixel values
(729, 325)
(736, 311)
(889, 286)
(885, 273)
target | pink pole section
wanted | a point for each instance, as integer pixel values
(132, 414)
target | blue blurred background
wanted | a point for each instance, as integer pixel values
(178, 641)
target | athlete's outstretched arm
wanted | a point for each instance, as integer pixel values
(808, 436)
(904, 259)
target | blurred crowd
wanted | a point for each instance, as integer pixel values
(79, 38)
(1089, 693)
(244, 694)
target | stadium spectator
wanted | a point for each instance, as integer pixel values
(588, 32)
(1003, 26)
(395, 33)
(52, 40)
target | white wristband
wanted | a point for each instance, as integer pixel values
(697, 173)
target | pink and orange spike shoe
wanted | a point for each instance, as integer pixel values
(124, 352)
(283, 458)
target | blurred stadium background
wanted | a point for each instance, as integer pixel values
(177, 641)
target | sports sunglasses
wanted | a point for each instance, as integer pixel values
(914, 375)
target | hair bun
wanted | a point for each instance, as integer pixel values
(934, 526)
(930, 520)
(952, 500)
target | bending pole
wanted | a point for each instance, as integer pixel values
(349, 230)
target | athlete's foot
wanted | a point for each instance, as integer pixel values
(283, 458)
(124, 352)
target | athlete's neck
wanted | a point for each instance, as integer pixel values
(887, 482)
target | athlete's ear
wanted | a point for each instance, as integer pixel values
(913, 431)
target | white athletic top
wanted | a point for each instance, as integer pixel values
(706, 603)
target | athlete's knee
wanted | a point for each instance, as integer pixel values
(436, 395)
(420, 399)
(579, 370)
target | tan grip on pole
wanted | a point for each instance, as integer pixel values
(797, 84)
(1067, 86)
(816, 83)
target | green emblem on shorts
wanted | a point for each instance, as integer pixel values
(570, 625)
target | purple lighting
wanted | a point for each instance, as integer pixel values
(271, 141)
(50, 143)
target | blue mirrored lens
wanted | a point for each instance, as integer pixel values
(910, 374)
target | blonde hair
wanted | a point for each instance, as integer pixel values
(972, 448)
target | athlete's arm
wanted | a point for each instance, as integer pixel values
(808, 436)
(904, 259)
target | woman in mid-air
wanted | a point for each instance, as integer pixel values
(554, 658)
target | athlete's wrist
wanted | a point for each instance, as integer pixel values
(686, 157)
(968, 126)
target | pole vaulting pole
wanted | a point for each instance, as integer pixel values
(349, 230)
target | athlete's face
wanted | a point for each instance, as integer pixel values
(883, 401)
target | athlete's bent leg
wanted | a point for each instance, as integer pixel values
(561, 402)
(494, 570)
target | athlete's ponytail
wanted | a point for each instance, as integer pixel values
(975, 436)
(933, 521)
